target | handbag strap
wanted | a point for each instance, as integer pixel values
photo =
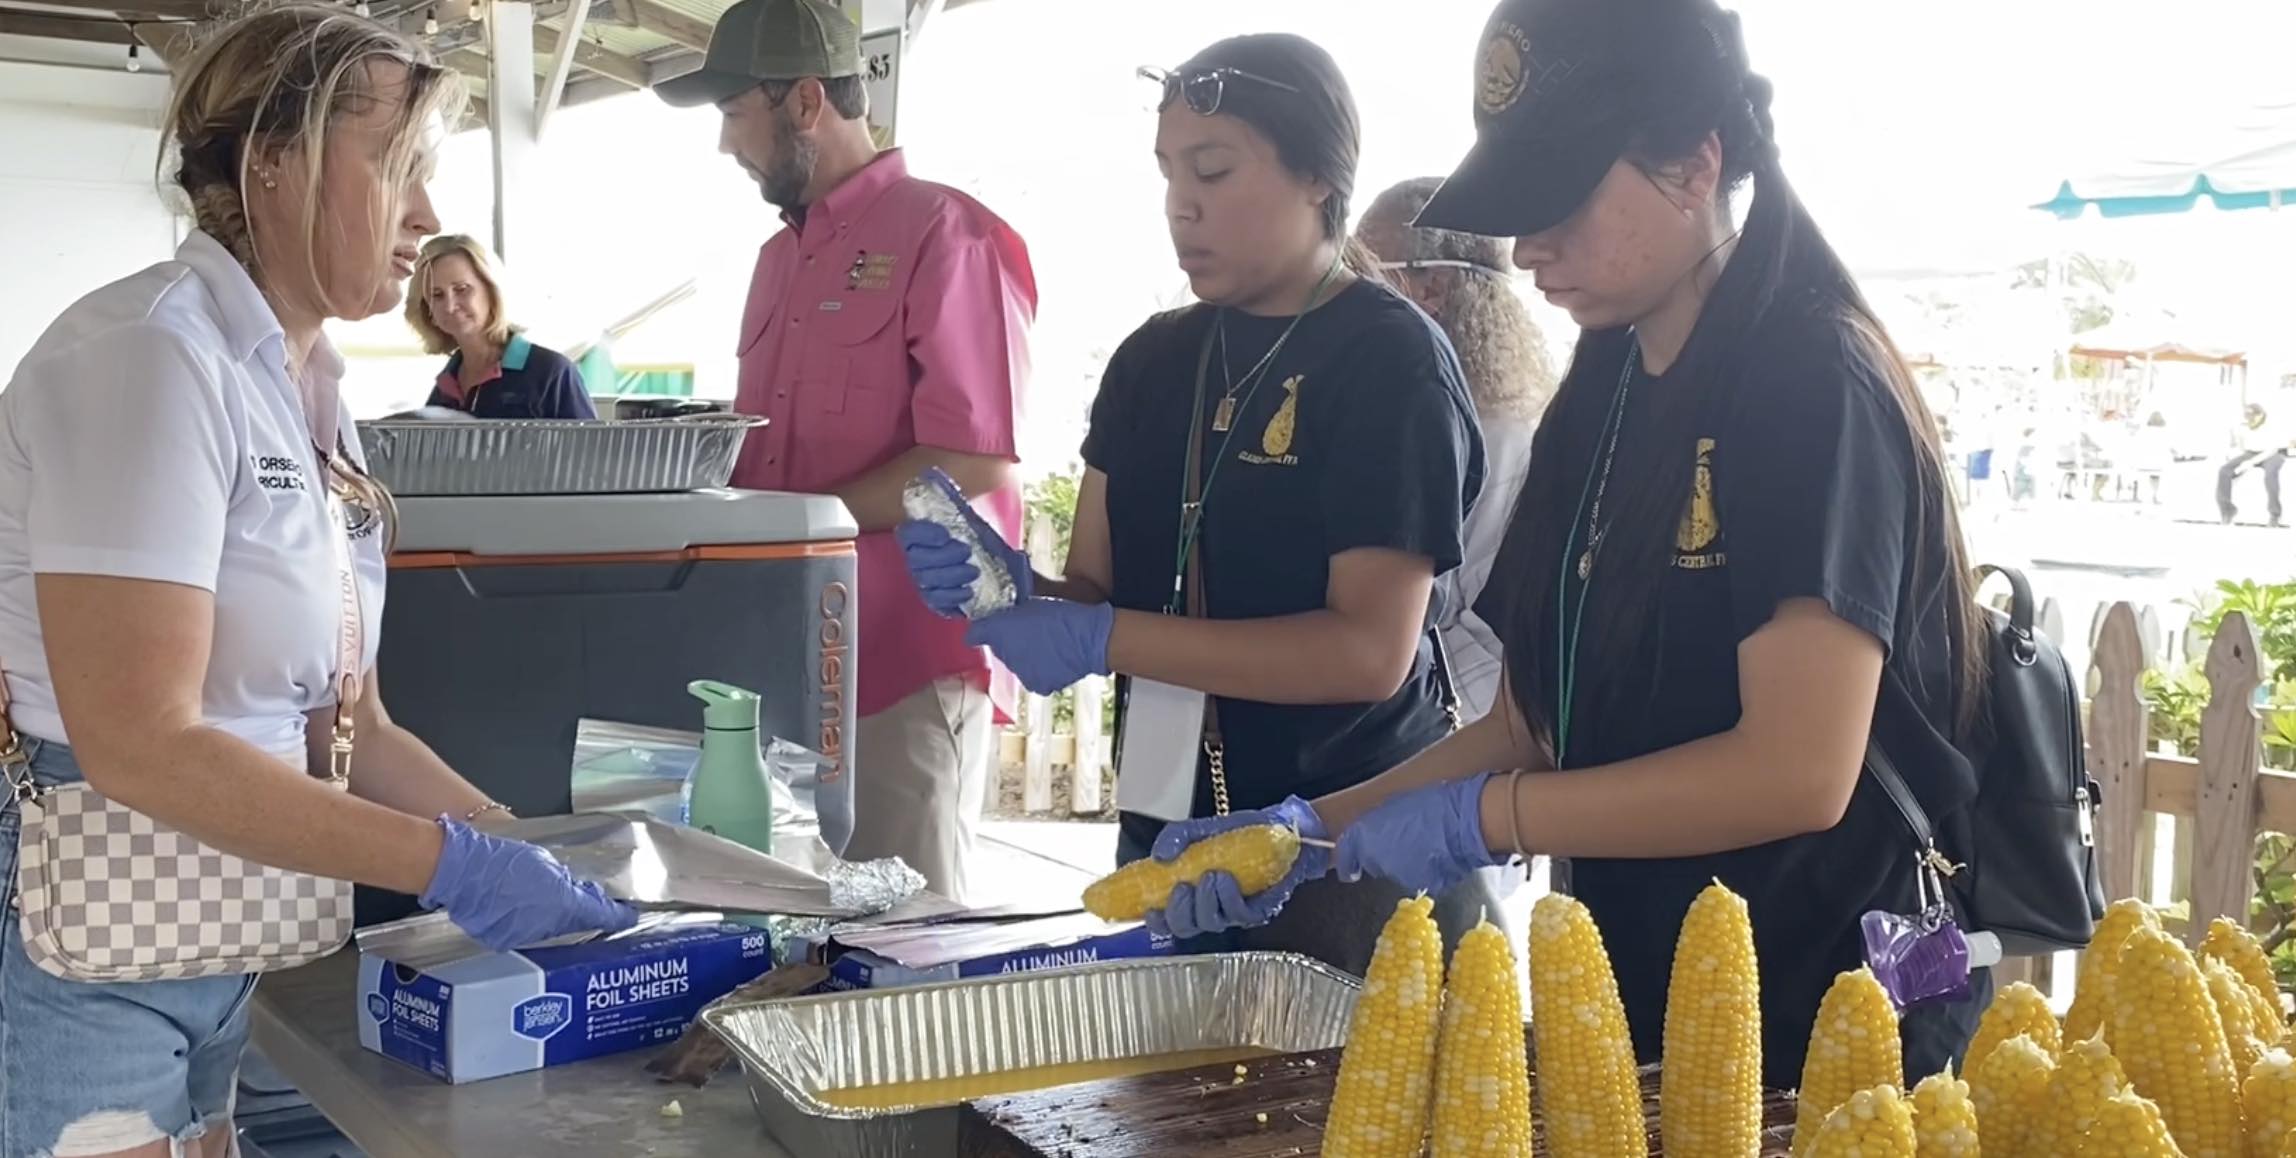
(350, 627)
(1934, 867)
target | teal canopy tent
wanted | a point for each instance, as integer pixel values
(2245, 161)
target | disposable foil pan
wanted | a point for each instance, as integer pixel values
(513, 456)
(793, 1049)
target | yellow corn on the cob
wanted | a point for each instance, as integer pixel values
(1589, 1096)
(1482, 1080)
(1944, 1119)
(1710, 1080)
(1875, 1123)
(1853, 1046)
(2268, 1103)
(2009, 1089)
(2128, 1126)
(2087, 1074)
(2235, 1010)
(2093, 986)
(1386, 1078)
(2230, 942)
(2016, 1008)
(1257, 856)
(2166, 1033)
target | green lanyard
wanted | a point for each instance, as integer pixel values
(1567, 627)
(1192, 498)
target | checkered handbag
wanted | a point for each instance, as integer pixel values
(107, 894)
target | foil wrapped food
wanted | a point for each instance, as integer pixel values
(933, 498)
(665, 868)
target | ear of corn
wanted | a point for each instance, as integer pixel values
(1944, 1119)
(1589, 1097)
(2009, 1089)
(2235, 1010)
(2087, 1073)
(1710, 1077)
(1257, 856)
(2092, 992)
(2171, 1043)
(2268, 1103)
(1853, 1047)
(1482, 1080)
(2230, 942)
(1874, 1123)
(2128, 1126)
(1379, 1107)
(2017, 1008)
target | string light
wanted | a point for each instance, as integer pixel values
(135, 63)
(362, 9)
(430, 21)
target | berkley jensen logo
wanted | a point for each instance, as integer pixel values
(542, 1017)
(836, 600)
(378, 1007)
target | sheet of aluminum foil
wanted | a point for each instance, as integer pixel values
(661, 867)
(794, 1049)
(926, 500)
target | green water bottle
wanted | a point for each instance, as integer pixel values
(730, 792)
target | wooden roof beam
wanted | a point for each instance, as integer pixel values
(626, 70)
(133, 10)
(17, 22)
(670, 24)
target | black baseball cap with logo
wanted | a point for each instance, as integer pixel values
(769, 40)
(1563, 88)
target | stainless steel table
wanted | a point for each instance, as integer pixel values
(305, 1021)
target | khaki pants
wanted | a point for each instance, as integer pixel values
(920, 783)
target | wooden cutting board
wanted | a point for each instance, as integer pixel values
(1208, 1113)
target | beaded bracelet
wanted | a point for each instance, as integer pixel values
(472, 816)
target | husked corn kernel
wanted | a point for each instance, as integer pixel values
(1386, 1084)
(1257, 856)
(1944, 1119)
(2009, 1088)
(2128, 1126)
(2016, 1008)
(2235, 1010)
(2087, 1074)
(1589, 1096)
(1874, 1123)
(1853, 1047)
(1482, 1080)
(2093, 986)
(2171, 1044)
(1710, 1077)
(2268, 1102)
(2230, 942)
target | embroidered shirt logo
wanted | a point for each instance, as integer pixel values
(1283, 425)
(278, 472)
(1697, 539)
(871, 271)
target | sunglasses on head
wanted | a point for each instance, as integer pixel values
(1204, 90)
(1424, 263)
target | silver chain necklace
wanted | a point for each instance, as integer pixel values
(1594, 528)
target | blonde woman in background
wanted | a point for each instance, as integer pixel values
(188, 544)
(1461, 280)
(456, 306)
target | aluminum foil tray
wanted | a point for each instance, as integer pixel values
(530, 457)
(795, 1048)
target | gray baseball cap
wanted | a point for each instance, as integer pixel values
(766, 40)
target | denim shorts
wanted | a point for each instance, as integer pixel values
(90, 1069)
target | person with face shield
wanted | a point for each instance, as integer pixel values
(886, 334)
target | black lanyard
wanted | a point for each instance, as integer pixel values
(1195, 490)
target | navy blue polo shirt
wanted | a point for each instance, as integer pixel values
(535, 382)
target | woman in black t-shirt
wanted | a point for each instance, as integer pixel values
(1735, 555)
(1335, 456)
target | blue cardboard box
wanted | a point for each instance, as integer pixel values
(507, 1013)
(1023, 947)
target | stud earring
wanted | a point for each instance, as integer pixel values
(270, 182)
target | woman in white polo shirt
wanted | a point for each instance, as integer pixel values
(191, 580)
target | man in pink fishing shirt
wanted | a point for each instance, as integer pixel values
(886, 332)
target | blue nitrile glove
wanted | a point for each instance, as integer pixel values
(508, 894)
(1048, 643)
(1217, 902)
(1425, 840)
(942, 567)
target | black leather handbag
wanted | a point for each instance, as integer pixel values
(2028, 872)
